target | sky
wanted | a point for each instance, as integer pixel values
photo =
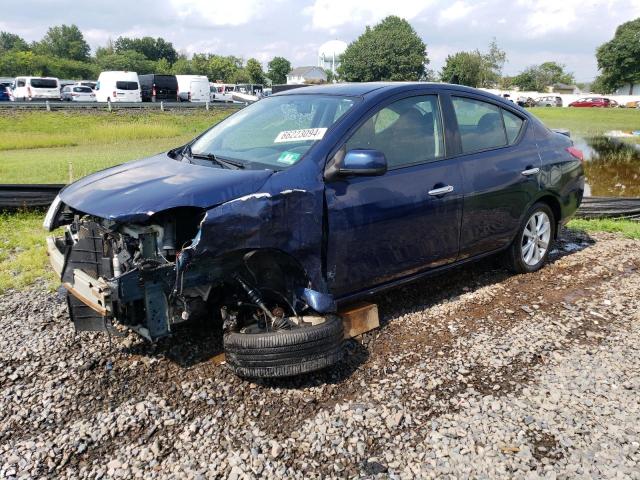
(531, 32)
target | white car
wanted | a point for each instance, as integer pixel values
(193, 88)
(118, 86)
(36, 88)
(78, 93)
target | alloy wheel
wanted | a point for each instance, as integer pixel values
(535, 238)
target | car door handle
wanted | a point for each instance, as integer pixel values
(441, 191)
(530, 171)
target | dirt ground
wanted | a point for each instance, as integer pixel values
(473, 373)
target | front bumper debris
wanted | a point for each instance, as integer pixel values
(95, 293)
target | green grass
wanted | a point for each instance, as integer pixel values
(59, 147)
(23, 254)
(587, 122)
(628, 228)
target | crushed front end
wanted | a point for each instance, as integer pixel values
(133, 273)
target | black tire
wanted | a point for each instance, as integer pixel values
(513, 255)
(287, 352)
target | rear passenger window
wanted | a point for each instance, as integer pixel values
(480, 125)
(513, 125)
(408, 131)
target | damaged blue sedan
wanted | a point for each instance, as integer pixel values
(305, 200)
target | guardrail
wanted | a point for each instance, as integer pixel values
(27, 196)
(14, 197)
(60, 105)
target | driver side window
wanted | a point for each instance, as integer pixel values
(408, 132)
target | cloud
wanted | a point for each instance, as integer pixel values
(219, 13)
(330, 14)
(456, 11)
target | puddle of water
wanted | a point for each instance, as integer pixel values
(612, 166)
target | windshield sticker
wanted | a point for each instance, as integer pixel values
(300, 135)
(288, 158)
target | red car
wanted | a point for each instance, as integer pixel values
(593, 102)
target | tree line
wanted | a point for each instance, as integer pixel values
(64, 53)
(389, 51)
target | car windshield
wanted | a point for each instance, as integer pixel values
(43, 83)
(275, 132)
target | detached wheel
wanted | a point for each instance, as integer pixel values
(530, 249)
(285, 353)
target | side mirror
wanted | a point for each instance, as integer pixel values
(359, 162)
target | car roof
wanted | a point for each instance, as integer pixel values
(365, 88)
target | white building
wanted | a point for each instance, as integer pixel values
(329, 54)
(306, 75)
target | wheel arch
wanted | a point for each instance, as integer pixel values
(554, 204)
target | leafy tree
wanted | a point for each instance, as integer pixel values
(224, 68)
(619, 58)
(254, 71)
(391, 50)
(493, 61)
(241, 76)
(162, 67)
(64, 41)
(16, 63)
(475, 69)
(182, 66)
(539, 77)
(126, 60)
(463, 68)
(11, 41)
(152, 48)
(603, 85)
(278, 68)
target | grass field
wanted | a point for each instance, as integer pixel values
(59, 147)
(587, 122)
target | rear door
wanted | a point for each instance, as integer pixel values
(383, 228)
(500, 167)
(199, 91)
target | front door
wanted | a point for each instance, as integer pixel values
(383, 228)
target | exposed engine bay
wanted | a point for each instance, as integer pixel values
(155, 279)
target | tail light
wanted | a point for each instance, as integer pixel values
(29, 91)
(576, 152)
(115, 94)
(153, 91)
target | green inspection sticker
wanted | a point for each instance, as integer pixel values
(288, 158)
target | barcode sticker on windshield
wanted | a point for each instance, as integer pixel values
(300, 135)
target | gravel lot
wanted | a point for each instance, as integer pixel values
(473, 374)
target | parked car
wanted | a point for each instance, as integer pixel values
(549, 101)
(158, 87)
(526, 102)
(36, 88)
(87, 83)
(600, 102)
(193, 88)
(77, 93)
(118, 86)
(224, 91)
(5, 94)
(306, 200)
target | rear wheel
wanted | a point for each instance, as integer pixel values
(317, 342)
(530, 249)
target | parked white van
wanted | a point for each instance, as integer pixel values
(36, 88)
(193, 88)
(118, 86)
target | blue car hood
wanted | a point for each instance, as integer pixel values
(134, 191)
